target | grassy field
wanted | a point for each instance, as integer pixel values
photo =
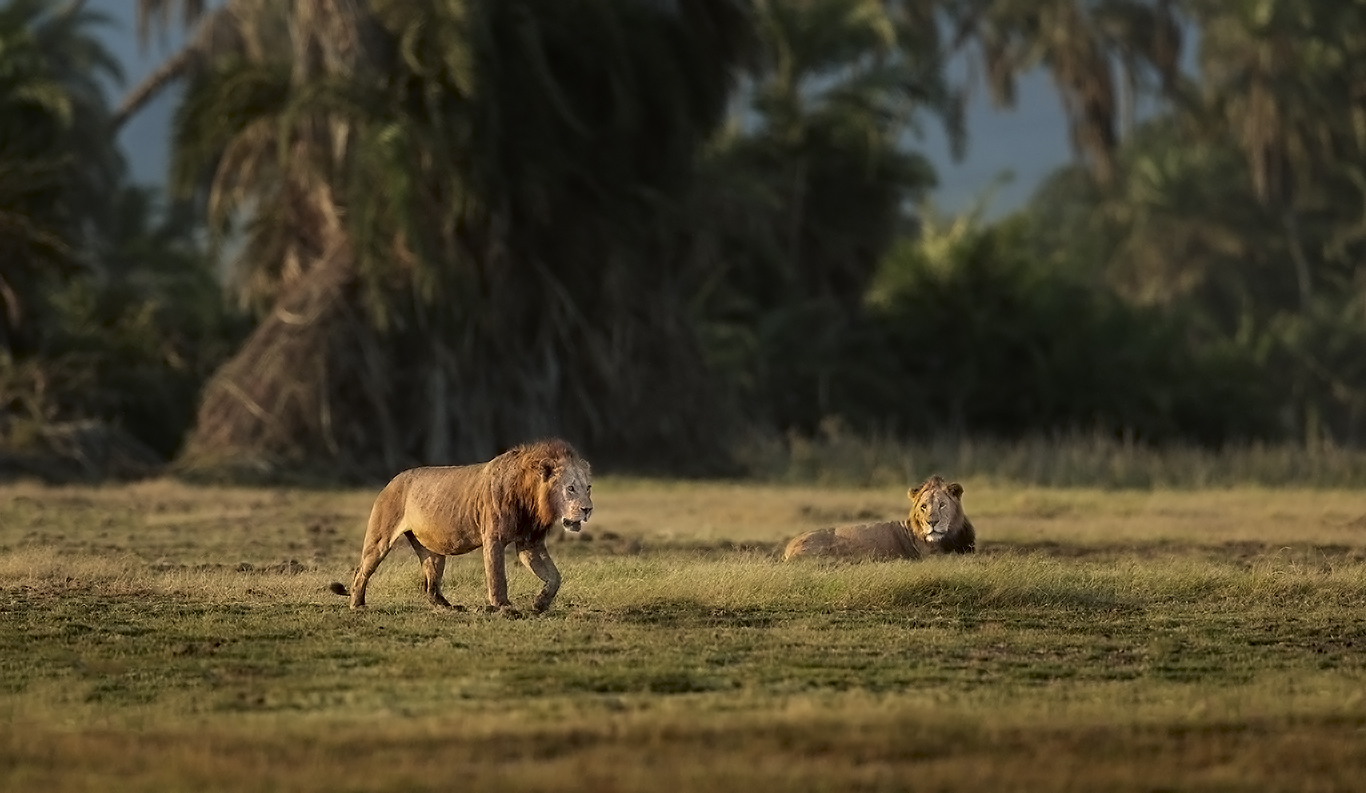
(165, 637)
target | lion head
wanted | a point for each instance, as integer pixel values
(567, 491)
(937, 517)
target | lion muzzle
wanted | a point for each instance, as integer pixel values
(935, 534)
(575, 522)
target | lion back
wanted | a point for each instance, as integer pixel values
(871, 541)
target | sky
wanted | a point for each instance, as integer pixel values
(1027, 142)
(145, 137)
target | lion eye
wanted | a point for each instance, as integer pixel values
(571, 489)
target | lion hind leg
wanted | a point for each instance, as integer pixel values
(433, 568)
(380, 534)
(537, 560)
(371, 556)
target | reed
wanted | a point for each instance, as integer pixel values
(839, 457)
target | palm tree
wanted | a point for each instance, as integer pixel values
(107, 311)
(56, 162)
(1283, 83)
(1180, 229)
(837, 92)
(1285, 80)
(456, 197)
(814, 179)
(1080, 42)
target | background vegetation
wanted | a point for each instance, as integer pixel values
(411, 232)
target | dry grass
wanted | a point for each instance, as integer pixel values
(185, 522)
(709, 512)
(168, 637)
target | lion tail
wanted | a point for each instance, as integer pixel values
(337, 588)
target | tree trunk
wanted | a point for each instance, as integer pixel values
(438, 445)
(275, 403)
(1295, 243)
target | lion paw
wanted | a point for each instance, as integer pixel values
(504, 611)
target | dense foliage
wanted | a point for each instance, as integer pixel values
(647, 226)
(1196, 276)
(108, 308)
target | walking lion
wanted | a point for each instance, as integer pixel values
(514, 499)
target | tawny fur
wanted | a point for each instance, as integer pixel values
(514, 499)
(936, 524)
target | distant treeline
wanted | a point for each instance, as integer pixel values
(403, 232)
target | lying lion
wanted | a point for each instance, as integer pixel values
(515, 498)
(936, 525)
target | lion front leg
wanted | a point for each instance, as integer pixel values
(537, 560)
(495, 575)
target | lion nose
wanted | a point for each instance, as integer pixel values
(586, 512)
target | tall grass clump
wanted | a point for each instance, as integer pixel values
(836, 456)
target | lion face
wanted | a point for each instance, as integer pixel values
(571, 487)
(936, 509)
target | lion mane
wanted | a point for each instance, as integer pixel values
(514, 499)
(936, 524)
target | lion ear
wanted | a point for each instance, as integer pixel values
(955, 490)
(547, 471)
